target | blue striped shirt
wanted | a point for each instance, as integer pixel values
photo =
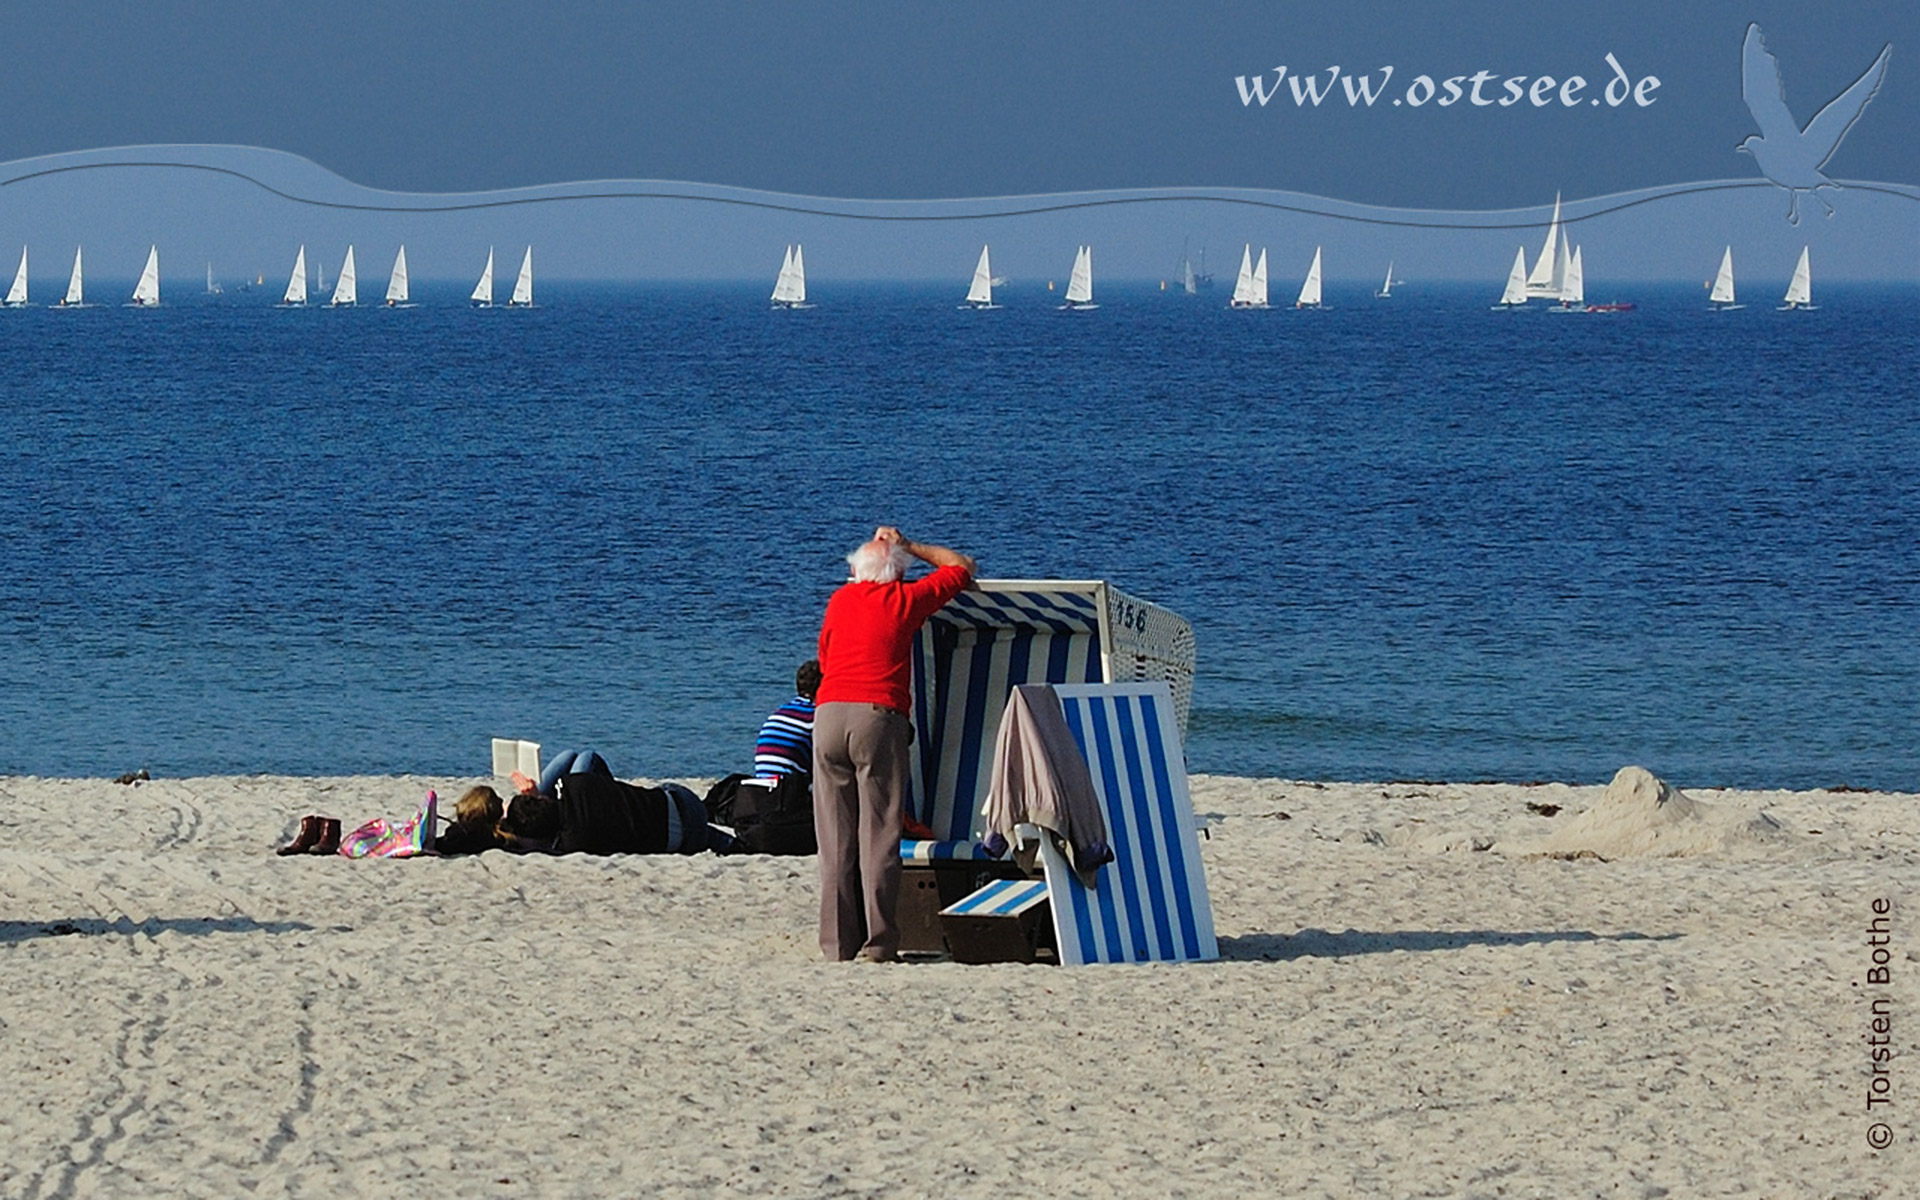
(786, 740)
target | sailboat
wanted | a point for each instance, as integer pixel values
(1516, 294)
(1080, 283)
(146, 293)
(346, 293)
(1549, 275)
(1386, 286)
(1573, 291)
(319, 276)
(297, 282)
(1721, 298)
(980, 292)
(17, 294)
(1191, 280)
(790, 288)
(1310, 290)
(213, 289)
(1800, 290)
(483, 291)
(397, 282)
(76, 296)
(523, 284)
(1250, 287)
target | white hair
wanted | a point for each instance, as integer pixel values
(878, 562)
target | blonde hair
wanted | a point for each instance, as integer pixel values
(480, 806)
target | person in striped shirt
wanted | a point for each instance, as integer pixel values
(785, 746)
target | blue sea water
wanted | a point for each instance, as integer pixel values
(1416, 539)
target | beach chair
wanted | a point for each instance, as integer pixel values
(1150, 904)
(967, 659)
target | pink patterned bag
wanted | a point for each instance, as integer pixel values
(380, 838)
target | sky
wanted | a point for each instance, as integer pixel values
(899, 102)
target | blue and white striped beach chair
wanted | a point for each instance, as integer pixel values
(1150, 904)
(1003, 632)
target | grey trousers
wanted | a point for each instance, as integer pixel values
(859, 792)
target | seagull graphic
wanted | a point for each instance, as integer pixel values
(1789, 155)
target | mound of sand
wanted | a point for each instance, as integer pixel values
(1644, 816)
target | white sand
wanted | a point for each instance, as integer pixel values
(1398, 1013)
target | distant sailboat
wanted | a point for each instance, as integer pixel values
(76, 295)
(319, 276)
(1250, 286)
(1721, 298)
(483, 291)
(790, 288)
(1800, 290)
(397, 282)
(17, 294)
(346, 293)
(1386, 286)
(1516, 294)
(1549, 275)
(297, 282)
(1310, 290)
(980, 293)
(213, 289)
(1573, 289)
(523, 285)
(1080, 283)
(146, 293)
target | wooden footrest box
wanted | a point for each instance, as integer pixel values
(1009, 920)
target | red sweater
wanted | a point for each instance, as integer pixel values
(866, 638)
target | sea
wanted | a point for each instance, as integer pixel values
(1416, 539)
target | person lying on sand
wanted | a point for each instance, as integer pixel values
(585, 810)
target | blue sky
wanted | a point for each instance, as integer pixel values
(892, 101)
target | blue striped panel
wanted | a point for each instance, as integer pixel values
(1058, 612)
(957, 715)
(1162, 911)
(1001, 898)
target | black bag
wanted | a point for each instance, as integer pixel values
(720, 800)
(775, 820)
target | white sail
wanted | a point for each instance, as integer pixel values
(347, 290)
(980, 293)
(1260, 280)
(1187, 280)
(483, 291)
(1573, 290)
(1549, 272)
(1800, 290)
(397, 282)
(1723, 282)
(1243, 283)
(213, 289)
(147, 291)
(297, 282)
(523, 285)
(75, 294)
(1516, 292)
(1310, 290)
(1080, 283)
(1386, 286)
(17, 294)
(791, 286)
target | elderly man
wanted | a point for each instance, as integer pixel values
(861, 731)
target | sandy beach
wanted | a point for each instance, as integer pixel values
(1425, 990)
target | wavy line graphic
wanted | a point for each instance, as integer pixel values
(959, 209)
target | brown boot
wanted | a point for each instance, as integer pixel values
(329, 837)
(307, 837)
